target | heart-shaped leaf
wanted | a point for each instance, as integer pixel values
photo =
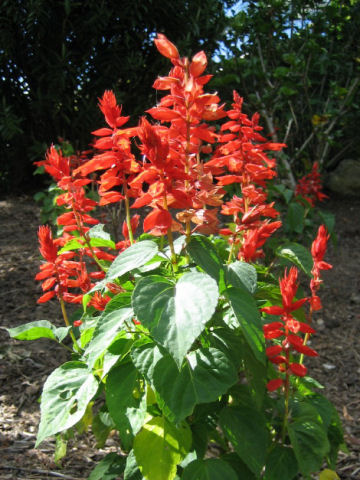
(175, 314)
(66, 394)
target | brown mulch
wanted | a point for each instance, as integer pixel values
(24, 366)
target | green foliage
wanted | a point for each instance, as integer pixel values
(297, 63)
(170, 384)
(51, 77)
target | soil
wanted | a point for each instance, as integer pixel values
(24, 366)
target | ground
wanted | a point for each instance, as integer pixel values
(24, 366)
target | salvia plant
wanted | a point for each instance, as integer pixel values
(188, 342)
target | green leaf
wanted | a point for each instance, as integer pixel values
(245, 310)
(100, 430)
(256, 373)
(204, 254)
(328, 219)
(60, 449)
(298, 255)
(101, 242)
(295, 217)
(107, 327)
(229, 342)
(72, 244)
(245, 427)
(323, 406)
(119, 301)
(66, 394)
(206, 375)
(310, 444)
(132, 471)
(209, 469)
(281, 464)
(239, 466)
(97, 231)
(38, 329)
(109, 468)
(120, 384)
(133, 257)
(175, 314)
(243, 275)
(159, 447)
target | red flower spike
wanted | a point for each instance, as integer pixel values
(310, 186)
(47, 247)
(318, 250)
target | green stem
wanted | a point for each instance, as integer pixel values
(171, 240)
(86, 237)
(172, 250)
(287, 393)
(231, 253)
(67, 323)
(128, 217)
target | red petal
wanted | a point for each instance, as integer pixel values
(48, 283)
(165, 47)
(273, 351)
(274, 384)
(162, 113)
(274, 310)
(159, 219)
(298, 369)
(296, 305)
(47, 296)
(198, 64)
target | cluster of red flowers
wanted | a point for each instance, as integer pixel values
(310, 186)
(288, 328)
(171, 173)
(68, 270)
(243, 155)
(318, 249)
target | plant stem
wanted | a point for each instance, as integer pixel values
(67, 323)
(85, 236)
(286, 403)
(171, 240)
(231, 253)
(128, 218)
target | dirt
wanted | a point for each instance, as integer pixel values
(24, 366)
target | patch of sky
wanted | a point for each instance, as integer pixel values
(222, 51)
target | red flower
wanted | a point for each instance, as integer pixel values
(165, 47)
(288, 288)
(310, 186)
(288, 328)
(318, 250)
(98, 301)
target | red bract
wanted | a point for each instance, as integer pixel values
(116, 157)
(310, 186)
(98, 301)
(288, 329)
(318, 250)
(165, 47)
(242, 159)
(56, 271)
